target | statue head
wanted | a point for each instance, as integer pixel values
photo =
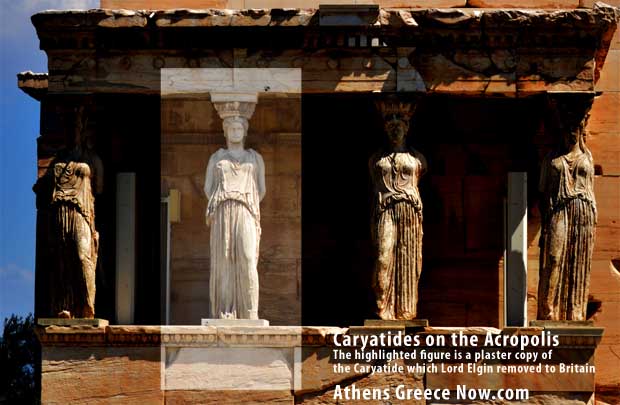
(575, 134)
(396, 129)
(396, 115)
(572, 133)
(570, 117)
(235, 129)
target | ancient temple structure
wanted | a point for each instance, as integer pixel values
(484, 76)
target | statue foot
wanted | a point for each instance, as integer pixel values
(65, 314)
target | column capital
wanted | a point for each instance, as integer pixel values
(234, 104)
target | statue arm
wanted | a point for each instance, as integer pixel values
(423, 164)
(590, 184)
(44, 180)
(209, 177)
(261, 177)
(44, 187)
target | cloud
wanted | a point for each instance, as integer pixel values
(15, 15)
(16, 273)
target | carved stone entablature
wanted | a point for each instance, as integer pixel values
(274, 336)
(33, 84)
(189, 336)
(347, 49)
(281, 336)
(117, 335)
(70, 335)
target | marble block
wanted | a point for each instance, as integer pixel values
(398, 323)
(224, 368)
(97, 322)
(234, 322)
(562, 324)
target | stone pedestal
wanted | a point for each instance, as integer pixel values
(230, 358)
(412, 323)
(561, 324)
(234, 322)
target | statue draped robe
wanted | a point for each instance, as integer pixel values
(567, 237)
(74, 242)
(234, 187)
(397, 232)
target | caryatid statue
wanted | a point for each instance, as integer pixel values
(73, 178)
(234, 186)
(397, 216)
(568, 211)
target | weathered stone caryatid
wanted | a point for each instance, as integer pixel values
(397, 216)
(568, 213)
(234, 185)
(68, 187)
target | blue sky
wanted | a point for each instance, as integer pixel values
(19, 129)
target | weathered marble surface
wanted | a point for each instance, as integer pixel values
(234, 322)
(246, 4)
(568, 210)
(266, 16)
(229, 82)
(299, 362)
(68, 250)
(97, 322)
(241, 368)
(399, 49)
(397, 215)
(101, 376)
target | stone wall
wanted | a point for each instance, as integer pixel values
(185, 364)
(198, 4)
(191, 132)
(603, 140)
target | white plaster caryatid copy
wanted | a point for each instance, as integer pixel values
(234, 186)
